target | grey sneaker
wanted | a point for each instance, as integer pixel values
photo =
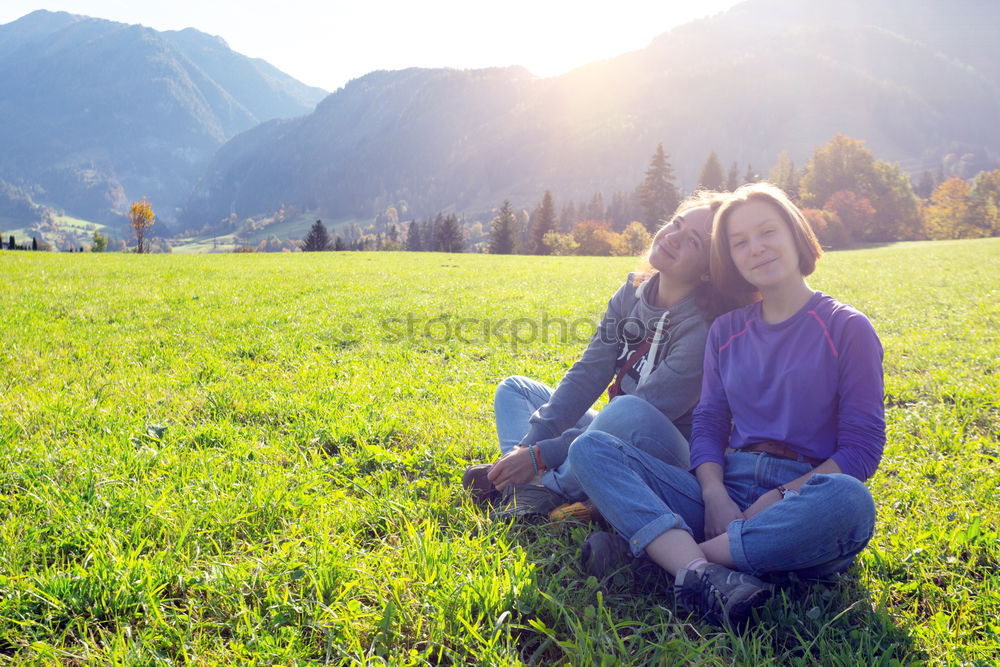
(479, 486)
(603, 553)
(527, 501)
(720, 595)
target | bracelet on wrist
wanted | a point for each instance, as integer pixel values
(531, 455)
(539, 460)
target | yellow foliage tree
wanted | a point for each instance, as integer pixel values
(948, 211)
(635, 239)
(141, 218)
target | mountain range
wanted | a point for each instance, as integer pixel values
(96, 113)
(915, 79)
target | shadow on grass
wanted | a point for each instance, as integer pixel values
(630, 618)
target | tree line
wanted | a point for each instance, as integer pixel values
(846, 193)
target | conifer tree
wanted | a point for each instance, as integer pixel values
(751, 176)
(926, 185)
(711, 177)
(317, 239)
(657, 192)
(733, 179)
(339, 244)
(449, 234)
(431, 233)
(503, 231)
(568, 217)
(545, 222)
(596, 210)
(413, 237)
(785, 176)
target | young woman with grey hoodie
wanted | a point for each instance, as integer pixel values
(647, 352)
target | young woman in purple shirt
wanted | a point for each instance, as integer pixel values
(789, 426)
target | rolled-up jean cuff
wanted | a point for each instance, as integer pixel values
(735, 532)
(642, 537)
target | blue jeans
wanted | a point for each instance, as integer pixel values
(815, 533)
(627, 417)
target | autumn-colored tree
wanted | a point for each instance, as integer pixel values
(947, 214)
(827, 227)
(635, 239)
(842, 164)
(846, 164)
(854, 212)
(595, 238)
(561, 244)
(898, 214)
(141, 217)
(986, 200)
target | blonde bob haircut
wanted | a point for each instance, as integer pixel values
(725, 275)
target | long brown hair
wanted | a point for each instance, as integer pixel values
(710, 300)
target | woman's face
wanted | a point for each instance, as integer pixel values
(762, 246)
(680, 249)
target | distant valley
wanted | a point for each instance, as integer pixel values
(98, 114)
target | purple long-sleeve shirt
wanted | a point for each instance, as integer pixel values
(813, 382)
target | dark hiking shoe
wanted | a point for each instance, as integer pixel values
(479, 486)
(603, 553)
(527, 501)
(721, 596)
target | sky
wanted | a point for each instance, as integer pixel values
(326, 43)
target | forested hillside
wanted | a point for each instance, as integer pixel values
(96, 113)
(916, 81)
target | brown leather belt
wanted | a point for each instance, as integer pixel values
(775, 448)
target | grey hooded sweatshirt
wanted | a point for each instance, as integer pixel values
(667, 374)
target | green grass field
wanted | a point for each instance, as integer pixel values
(255, 459)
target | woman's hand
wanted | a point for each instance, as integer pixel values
(514, 468)
(720, 511)
(772, 497)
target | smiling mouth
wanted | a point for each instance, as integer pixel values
(764, 263)
(665, 251)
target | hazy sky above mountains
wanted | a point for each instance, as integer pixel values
(326, 43)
